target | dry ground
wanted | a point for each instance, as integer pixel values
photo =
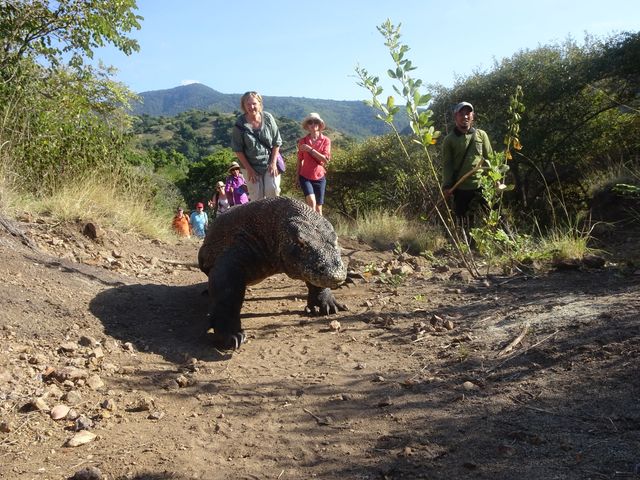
(416, 381)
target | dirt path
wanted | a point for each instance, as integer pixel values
(411, 383)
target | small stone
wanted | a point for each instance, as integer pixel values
(157, 415)
(40, 405)
(335, 325)
(87, 473)
(361, 366)
(143, 404)
(68, 347)
(128, 346)
(448, 324)
(87, 341)
(70, 373)
(38, 359)
(82, 423)
(81, 438)
(72, 397)
(53, 391)
(406, 452)
(92, 231)
(73, 414)
(182, 381)
(59, 412)
(97, 353)
(109, 404)
(95, 382)
(5, 427)
(470, 386)
(111, 345)
(110, 368)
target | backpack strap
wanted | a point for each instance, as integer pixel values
(471, 142)
(245, 129)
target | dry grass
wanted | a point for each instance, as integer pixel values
(95, 199)
(384, 230)
(567, 244)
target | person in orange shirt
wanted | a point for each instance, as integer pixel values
(181, 223)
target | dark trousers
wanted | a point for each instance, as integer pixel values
(462, 201)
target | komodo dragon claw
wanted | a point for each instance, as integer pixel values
(238, 339)
(321, 301)
(231, 341)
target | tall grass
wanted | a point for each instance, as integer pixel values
(384, 230)
(127, 206)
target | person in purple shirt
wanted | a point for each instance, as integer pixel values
(235, 186)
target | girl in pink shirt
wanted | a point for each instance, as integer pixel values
(314, 151)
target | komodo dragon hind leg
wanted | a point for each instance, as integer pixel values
(320, 301)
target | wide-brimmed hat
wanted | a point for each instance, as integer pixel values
(233, 166)
(461, 105)
(310, 117)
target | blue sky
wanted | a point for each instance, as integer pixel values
(310, 49)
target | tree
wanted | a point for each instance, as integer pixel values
(61, 118)
(199, 184)
(582, 115)
(71, 29)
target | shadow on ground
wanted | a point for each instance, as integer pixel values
(167, 320)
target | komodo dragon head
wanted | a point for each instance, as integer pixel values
(309, 250)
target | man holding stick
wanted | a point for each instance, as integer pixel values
(464, 151)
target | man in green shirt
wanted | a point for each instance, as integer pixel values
(463, 150)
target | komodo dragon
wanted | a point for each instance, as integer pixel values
(254, 241)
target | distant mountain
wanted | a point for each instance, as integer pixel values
(352, 118)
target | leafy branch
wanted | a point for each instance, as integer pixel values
(420, 121)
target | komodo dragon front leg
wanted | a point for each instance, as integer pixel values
(320, 301)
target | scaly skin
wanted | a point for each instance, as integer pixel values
(254, 241)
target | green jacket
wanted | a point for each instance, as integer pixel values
(256, 153)
(457, 159)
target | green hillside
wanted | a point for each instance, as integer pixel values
(353, 118)
(196, 134)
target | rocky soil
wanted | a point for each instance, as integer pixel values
(107, 372)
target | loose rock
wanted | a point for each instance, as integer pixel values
(59, 412)
(81, 438)
(87, 473)
(95, 382)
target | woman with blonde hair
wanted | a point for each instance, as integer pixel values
(256, 141)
